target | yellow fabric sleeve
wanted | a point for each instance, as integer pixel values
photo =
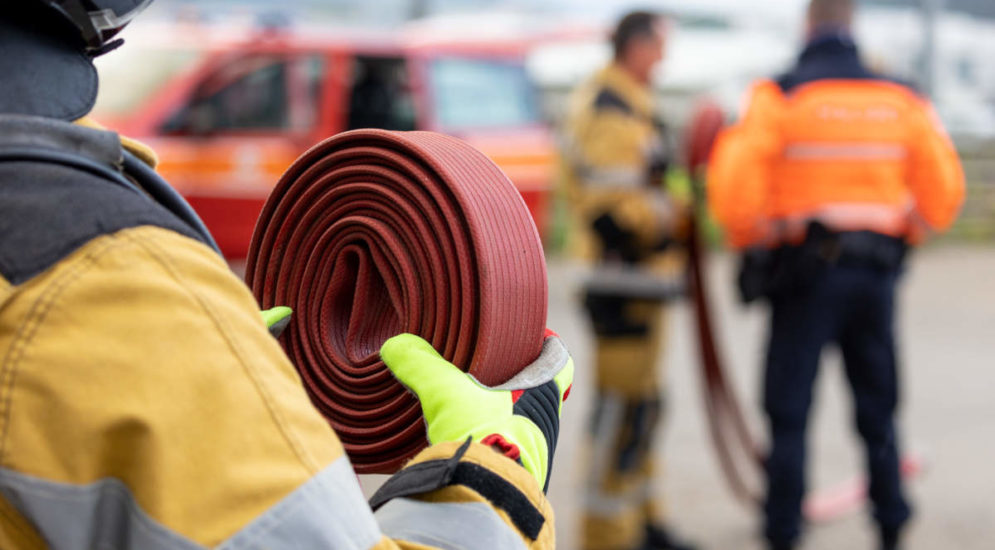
(609, 138)
(141, 357)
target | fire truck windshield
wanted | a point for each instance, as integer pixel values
(471, 93)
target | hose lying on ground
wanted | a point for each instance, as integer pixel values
(373, 233)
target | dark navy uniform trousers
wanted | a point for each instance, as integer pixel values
(853, 307)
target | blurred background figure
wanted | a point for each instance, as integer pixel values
(615, 156)
(831, 173)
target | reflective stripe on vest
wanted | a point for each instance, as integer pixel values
(845, 150)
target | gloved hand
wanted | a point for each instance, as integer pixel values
(520, 418)
(277, 319)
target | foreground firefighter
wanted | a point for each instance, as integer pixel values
(828, 178)
(615, 158)
(145, 404)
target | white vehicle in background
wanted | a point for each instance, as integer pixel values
(717, 50)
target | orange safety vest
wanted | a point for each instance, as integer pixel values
(854, 154)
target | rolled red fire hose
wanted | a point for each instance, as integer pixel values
(372, 233)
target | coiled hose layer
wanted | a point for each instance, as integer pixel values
(372, 233)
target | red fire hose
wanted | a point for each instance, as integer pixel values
(372, 233)
(738, 452)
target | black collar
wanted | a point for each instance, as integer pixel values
(838, 43)
(103, 147)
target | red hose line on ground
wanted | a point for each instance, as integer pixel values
(372, 233)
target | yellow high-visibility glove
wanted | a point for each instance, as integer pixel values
(277, 319)
(520, 418)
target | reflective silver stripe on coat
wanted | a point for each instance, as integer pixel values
(448, 525)
(604, 177)
(329, 511)
(616, 177)
(102, 514)
(847, 150)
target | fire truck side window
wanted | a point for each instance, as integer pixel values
(479, 93)
(380, 94)
(256, 93)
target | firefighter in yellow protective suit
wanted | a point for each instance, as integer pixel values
(144, 403)
(614, 157)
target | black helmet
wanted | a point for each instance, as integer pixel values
(48, 47)
(98, 21)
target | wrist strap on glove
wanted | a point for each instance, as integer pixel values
(425, 477)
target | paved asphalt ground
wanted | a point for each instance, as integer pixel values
(947, 327)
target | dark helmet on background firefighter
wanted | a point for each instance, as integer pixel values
(63, 37)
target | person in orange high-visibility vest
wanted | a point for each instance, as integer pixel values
(829, 176)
